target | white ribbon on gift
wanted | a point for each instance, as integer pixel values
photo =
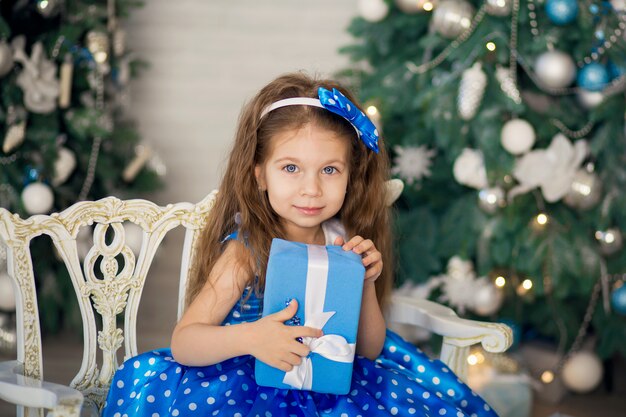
(330, 346)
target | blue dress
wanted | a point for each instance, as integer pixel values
(402, 381)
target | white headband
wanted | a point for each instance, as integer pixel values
(294, 101)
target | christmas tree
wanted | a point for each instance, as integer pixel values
(505, 119)
(64, 76)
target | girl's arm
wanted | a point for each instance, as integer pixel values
(199, 339)
(372, 327)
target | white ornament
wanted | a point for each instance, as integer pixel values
(487, 298)
(499, 7)
(373, 10)
(517, 136)
(458, 284)
(14, 136)
(415, 6)
(63, 166)
(459, 268)
(582, 372)
(610, 241)
(584, 191)
(452, 17)
(507, 84)
(619, 5)
(7, 296)
(471, 91)
(552, 169)
(490, 199)
(590, 99)
(469, 169)
(37, 198)
(555, 69)
(412, 163)
(393, 188)
(38, 77)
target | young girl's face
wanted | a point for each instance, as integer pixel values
(306, 176)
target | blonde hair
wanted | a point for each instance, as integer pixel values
(363, 213)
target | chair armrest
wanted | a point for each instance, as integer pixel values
(442, 320)
(458, 334)
(29, 392)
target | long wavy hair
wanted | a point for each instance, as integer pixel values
(364, 211)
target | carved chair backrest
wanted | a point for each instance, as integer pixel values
(114, 290)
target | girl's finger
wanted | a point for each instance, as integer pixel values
(293, 359)
(372, 258)
(339, 241)
(284, 366)
(364, 246)
(302, 331)
(352, 243)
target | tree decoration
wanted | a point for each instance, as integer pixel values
(415, 6)
(63, 166)
(471, 91)
(517, 136)
(555, 69)
(593, 77)
(16, 131)
(552, 169)
(562, 12)
(373, 10)
(618, 299)
(491, 199)
(98, 44)
(412, 163)
(507, 84)
(469, 169)
(610, 241)
(582, 372)
(499, 7)
(6, 58)
(37, 198)
(584, 191)
(452, 17)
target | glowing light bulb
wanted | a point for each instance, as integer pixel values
(371, 111)
(527, 284)
(491, 46)
(428, 6)
(547, 377)
(542, 219)
(500, 281)
(472, 359)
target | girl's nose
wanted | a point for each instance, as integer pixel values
(311, 186)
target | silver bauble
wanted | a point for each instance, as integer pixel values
(610, 241)
(590, 99)
(555, 69)
(585, 190)
(490, 199)
(487, 300)
(6, 58)
(499, 7)
(373, 10)
(452, 17)
(582, 372)
(471, 91)
(415, 6)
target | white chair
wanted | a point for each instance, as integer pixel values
(117, 291)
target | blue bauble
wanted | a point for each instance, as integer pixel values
(615, 71)
(618, 299)
(593, 77)
(562, 12)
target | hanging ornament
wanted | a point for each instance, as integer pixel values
(452, 17)
(6, 58)
(63, 166)
(593, 77)
(610, 241)
(119, 42)
(555, 69)
(517, 136)
(582, 372)
(16, 132)
(37, 198)
(503, 75)
(471, 91)
(97, 43)
(469, 169)
(487, 298)
(7, 296)
(416, 6)
(373, 10)
(618, 298)
(562, 12)
(65, 81)
(490, 199)
(49, 8)
(412, 163)
(584, 191)
(393, 190)
(618, 5)
(499, 7)
(590, 99)
(37, 78)
(142, 155)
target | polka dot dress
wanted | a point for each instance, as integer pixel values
(403, 381)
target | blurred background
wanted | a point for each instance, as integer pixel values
(505, 120)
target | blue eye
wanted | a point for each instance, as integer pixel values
(329, 170)
(291, 168)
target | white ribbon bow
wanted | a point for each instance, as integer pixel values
(330, 346)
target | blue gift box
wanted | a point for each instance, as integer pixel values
(327, 282)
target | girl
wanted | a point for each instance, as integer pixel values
(306, 166)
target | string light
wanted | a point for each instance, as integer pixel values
(500, 281)
(472, 359)
(547, 377)
(527, 284)
(371, 111)
(491, 46)
(542, 219)
(428, 6)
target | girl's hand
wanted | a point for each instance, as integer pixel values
(372, 258)
(274, 343)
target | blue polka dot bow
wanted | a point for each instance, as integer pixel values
(334, 101)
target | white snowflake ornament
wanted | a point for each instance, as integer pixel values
(412, 163)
